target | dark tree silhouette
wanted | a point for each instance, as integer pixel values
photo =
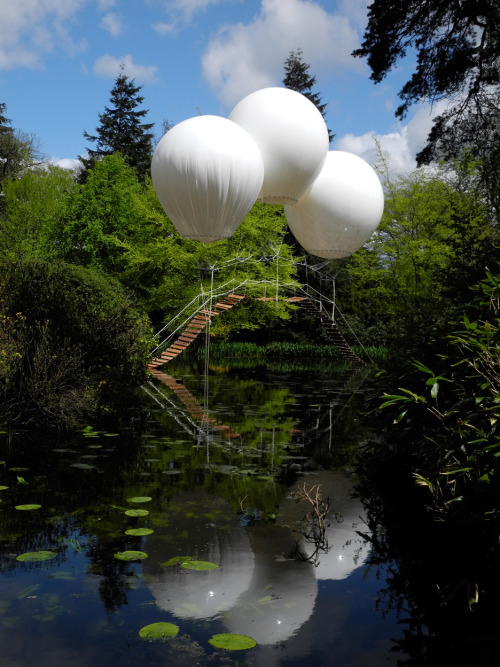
(298, 78)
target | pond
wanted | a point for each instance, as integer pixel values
(232, 468)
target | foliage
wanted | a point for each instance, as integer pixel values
(100, 221)
(71, 343)
(457, 52)
(18, 150)
(297, 78)
(121, 129)
(459, 415)
(431, 243)
(32, 206)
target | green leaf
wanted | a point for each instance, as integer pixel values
(28, 507)
(139, 499)
(34, 556)
(130, 555)
(158, 631)
(136, 512)
(199, 565)
(139, 532)
(177, 560)
(232, 642)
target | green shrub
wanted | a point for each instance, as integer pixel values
(71, 342)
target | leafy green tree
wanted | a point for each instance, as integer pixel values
(457, 49)
(414, 271)
(32, 205)
(298, 78)
(121, 128)
(100, 222)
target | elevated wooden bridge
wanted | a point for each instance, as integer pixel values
(204, 316)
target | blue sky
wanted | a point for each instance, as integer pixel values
(59, 60)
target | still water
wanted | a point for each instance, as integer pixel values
(228, 489)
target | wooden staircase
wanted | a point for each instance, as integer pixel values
(329, 326)
(194, 329)
(199, 322)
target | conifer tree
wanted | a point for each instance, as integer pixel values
(121, 129)
(298, 78)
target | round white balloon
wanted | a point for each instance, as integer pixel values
(341, 210)
(207, 173)
(292, 137)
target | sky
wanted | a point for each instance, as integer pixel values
(59, 60)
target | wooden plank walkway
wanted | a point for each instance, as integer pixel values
(194, 329)
(199, 322)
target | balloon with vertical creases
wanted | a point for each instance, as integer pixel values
(207, 173)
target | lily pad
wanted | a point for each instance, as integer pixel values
(33, 556)
(139, 532)
(177, 560)
(136, 512)
(28, 506)
(82, 466)
(130, 555)
(232, 642)
(158, 631)
(199, 565)
(139, 499)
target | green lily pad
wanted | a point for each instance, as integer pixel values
(139, 532)
(199, 565)
(29, 506)
(232, 642)
(158, 631)
(33, 556)
(136, 512)
(82, 466)
(139, 499)
(176, 561)
(130, 555)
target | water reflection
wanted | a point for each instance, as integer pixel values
(206, 533)
(214, 497)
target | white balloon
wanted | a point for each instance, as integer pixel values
(207, 173)
(341, 210)
(292, 137)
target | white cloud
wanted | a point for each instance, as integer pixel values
(401, 145)
(112, 23)
(109, 67)
(67, 163)
(30, 29)
(242, 58)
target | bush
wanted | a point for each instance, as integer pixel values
(71, 343)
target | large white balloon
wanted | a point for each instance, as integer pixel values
(292, 137)
(341, 210)
(207, 173)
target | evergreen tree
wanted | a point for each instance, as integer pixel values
(297, 78)
(121, 129)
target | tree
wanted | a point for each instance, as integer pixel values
(100, 220)
(32, 205)
(18, 150)
(430, 245)
(121, 129)
(458, 54)
(297, 78)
